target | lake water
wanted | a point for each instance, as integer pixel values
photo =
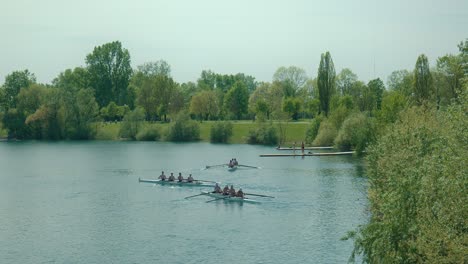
(81, 202)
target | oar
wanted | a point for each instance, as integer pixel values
(250, 166)
(222, 198)
(214, 166)
(261, 195)
(196, 195)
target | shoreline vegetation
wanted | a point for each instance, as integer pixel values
(413, 130)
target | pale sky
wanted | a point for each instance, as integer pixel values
(371, 37)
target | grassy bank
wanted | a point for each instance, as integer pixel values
(295, 131)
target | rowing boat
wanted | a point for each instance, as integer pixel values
(220, 196)
(177, 183)
(232, 168)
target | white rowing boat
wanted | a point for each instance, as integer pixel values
(177, 183)
(228, 198)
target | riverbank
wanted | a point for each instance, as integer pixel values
(295, 131)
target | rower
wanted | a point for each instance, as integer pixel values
(172, 178)
(190, 178)
(235, 162)
(217, 189)
(180, 178)
(230, 163)
(240, 193)
(226, 190)
(232, 191)
(162, 176)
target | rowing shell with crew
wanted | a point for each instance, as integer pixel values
(179, 181)
(230, 195)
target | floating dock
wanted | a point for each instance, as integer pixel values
(309, 154)
(306, 148)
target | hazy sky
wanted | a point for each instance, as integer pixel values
(371, 37)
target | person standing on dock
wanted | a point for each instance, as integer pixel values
(302, 147)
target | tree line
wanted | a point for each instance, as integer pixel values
(108, 89)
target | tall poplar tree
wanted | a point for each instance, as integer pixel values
(326, 82)
(422, 80)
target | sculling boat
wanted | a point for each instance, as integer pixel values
(229, 198)
(232, 168)
(177, 183)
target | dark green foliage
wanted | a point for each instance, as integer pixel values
(236, 100)
(13, 120)
(114, 112)
(312, 130)
(423, 88)
(221, 132)
(132, 123)
(148, 133)
(264, 135)
(376, 88)
(109, 72)
(183, 129)
(292, 106)
(418, 190)
(13, 83)
(356, 133)
(326, 82)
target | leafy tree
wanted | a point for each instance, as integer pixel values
(401, 81)
(80, 117)
(292, 106)
(292, 75)
(205, 104)
(326, 82)
(451, 68)
(422, 80)
(393, 103)
(236, 100)
(160, 67)
(345, 81)
(266, 99)
(376, 89)
(75, 79)
(13, 121)
(13, 83)
(109, 72)
(114, 112)
(313, 129)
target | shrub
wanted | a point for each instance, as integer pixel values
(149, 133)
(356, 133)
(264, 134)
(417, 190)
(313, 129)
(221, 132)
(326, 134)
(132, 122)
(183, 129)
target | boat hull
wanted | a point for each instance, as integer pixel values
(230, 198)
(177, 183)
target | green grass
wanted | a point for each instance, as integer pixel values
(295, 131)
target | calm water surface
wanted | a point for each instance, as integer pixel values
(80, 202)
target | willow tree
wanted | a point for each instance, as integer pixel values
(422, 80)
(326, 82)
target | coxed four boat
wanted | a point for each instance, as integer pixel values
(228, 198)
(177, 183)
